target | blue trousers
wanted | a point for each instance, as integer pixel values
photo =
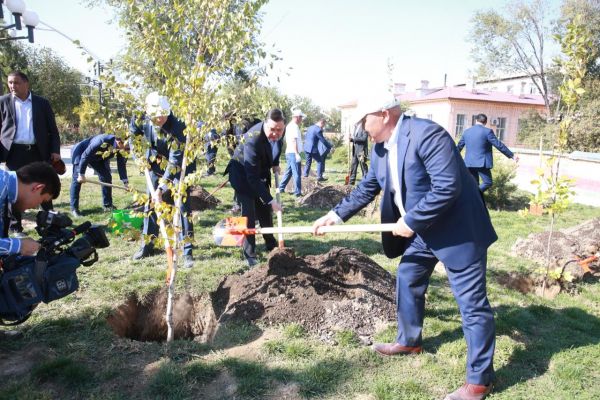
(151, 224)
(468, 284)
(293, 169)
(319, 159)
(486, 177)
(102, 168)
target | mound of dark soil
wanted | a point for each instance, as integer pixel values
(341, 290)
(309, 183)
(201, 200)
(578, 242)
(325, 197)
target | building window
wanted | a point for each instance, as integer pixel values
(473, 119)
(460, 124)
(430, 117)
(509, 88)
(501, 128)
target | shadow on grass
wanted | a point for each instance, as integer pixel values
(544, 332)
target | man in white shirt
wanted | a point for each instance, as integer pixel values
(28, 131)
(293, 142)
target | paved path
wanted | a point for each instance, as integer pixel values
(585, 173)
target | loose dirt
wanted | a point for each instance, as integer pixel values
(340, 290)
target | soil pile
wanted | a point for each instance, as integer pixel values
(325, 197)
(309, 183)
(201, 200)
(578, 242)
(341, 290)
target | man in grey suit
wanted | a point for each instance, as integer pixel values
(28, 131)
(479, 159)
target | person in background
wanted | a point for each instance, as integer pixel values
(97, 152)
(478, 141)
(293, 142)
(360, 148)
(28, 132)
(316, 147)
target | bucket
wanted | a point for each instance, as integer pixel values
(121, 221)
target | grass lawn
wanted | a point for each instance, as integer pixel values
(546, 349)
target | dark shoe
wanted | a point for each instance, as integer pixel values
(143, 252)
(322, 179)
(108, 208)
(470, 391)
(251, 262)
(76, 213)
(188, 261)
(395, 349)
(298, 195)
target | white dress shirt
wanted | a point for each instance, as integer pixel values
(391, 145)
(24, 133)
(293, 134)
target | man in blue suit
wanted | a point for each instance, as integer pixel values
(430, 195)
(164, 138)
(250, 176)
(479, 159)
(316, 147)
(91, 151)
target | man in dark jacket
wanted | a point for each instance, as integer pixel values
(479, 158)
(360, 147)
(97, 152)
(28, 131)
(316, 147)
(250, 176)
(165, 138)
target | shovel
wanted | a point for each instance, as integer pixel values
(232, 231)
(99, 183)
(279, 213)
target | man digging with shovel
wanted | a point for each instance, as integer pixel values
(439, 214)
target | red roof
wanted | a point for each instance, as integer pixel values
(461, 93)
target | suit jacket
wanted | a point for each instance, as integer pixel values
(442, 202)
(479, 141)
(44, 126)
(250, 167)
(168, 142)
(91, 149)
(315, 142)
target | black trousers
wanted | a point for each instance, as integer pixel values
(19, 156)
(359, 157)
(254, 210)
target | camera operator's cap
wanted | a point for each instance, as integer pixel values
(157, 105)
(372, 104)
(298, 113)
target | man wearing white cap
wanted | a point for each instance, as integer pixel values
(293, 142)
(430, 195)
(166, 139)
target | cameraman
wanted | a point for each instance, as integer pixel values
(26, 188)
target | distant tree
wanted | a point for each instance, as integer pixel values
(12, 58)
(589, 12)
(51, 77)
(335, 120)
(514, 41)
(585, 127)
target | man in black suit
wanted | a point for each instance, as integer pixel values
(250, 176)
(28, 131)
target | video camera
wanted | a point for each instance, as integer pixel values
(26, 281)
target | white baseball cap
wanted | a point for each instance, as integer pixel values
(372, 104)
(298, 113)
(157, 105)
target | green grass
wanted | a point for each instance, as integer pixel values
(545, 348)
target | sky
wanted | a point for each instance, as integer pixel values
(334, 51)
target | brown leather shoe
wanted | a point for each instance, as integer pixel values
(470, 391)
(395, 349)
